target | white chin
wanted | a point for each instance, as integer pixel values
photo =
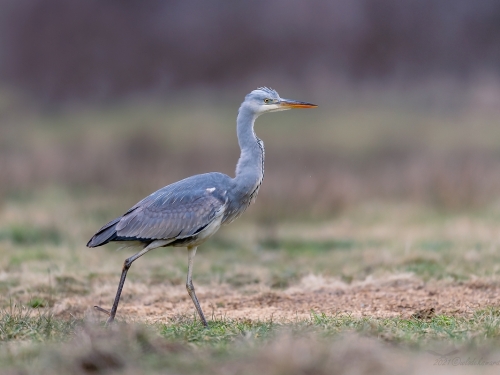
(274, 108)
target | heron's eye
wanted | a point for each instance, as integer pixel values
(267, 101)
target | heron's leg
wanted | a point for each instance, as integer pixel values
(190, 287)
(126, 265)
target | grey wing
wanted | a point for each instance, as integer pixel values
(171, 213)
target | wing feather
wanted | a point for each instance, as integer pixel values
(175, 211)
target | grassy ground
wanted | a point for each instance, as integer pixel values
(373, 261)
(385, 288)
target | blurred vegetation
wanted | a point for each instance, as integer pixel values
(350, 345)
(380, 145)
(90, 50)
(118, 96)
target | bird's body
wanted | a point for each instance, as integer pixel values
(188, 212)
(185, 212)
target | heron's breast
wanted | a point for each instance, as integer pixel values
(204, 234)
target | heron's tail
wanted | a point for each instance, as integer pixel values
(106, 234)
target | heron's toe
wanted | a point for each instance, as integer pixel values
(99, 308)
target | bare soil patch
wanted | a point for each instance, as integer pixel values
(397, 296)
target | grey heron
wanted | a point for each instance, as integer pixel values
(188, 212)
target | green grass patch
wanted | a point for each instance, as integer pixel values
(27, 254)
(25, 323)
(22, 323)
(435, 246)
(28, 235)
(6, 285)
(37, 302)
(184, 346)
(221, 334)
(426, 268)
(483, 327)
(309, 247)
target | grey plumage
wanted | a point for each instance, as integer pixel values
(178, 211)
(188, 212)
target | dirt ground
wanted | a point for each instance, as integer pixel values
(398, 296)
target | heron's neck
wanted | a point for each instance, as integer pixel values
(250, 167)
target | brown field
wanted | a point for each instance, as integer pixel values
(398, 296)
(377, 260)
(370, 211)
(362, 201)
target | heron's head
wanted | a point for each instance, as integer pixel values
(265, 100)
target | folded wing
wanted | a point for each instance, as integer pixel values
(177, 211)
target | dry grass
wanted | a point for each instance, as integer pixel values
(321, 345)
(363, 264)
(352, 251)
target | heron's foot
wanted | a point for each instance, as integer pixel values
(204, 321)
(107, 312)
(99, 308)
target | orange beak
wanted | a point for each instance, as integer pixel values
(287, 103)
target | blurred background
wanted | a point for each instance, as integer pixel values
(109, 101)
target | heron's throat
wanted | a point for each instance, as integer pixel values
(250, 167)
